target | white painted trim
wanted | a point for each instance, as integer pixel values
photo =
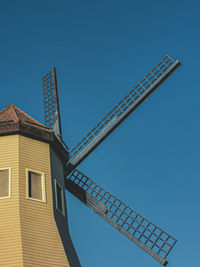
(43, 181)
(9, 182)
(62, 197)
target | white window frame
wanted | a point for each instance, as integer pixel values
(62, 197)
(43, 178)
(9, 182)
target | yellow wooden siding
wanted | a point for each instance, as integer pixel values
(28, 233)
(41, 242)
(10, 230)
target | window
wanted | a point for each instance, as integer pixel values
(59, 198)
(36, 186)
(5, 183)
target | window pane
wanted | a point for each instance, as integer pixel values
(59, 197)
(35, 185)
(4, 183)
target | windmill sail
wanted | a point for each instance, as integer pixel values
(51, 103)
(121, 111)
(133, 225)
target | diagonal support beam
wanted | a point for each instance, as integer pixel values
(133, 225)
(121, 111)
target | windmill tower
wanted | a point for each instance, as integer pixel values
(33, 217)
(35, 168)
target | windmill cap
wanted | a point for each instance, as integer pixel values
(15, 121)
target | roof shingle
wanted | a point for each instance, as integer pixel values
(15, 115)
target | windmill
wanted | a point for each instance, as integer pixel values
(145, 234)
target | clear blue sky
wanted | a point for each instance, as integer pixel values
(101, 49)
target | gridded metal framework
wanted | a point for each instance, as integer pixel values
(137, 228)
(50, 98)
(129, 102)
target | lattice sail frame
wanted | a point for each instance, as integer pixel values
(121, 111)
(51, 102)
(137, 228)
(133, 225)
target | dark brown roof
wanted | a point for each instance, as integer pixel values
(12, 114)
(14, 121)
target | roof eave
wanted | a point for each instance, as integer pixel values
(37, 133)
